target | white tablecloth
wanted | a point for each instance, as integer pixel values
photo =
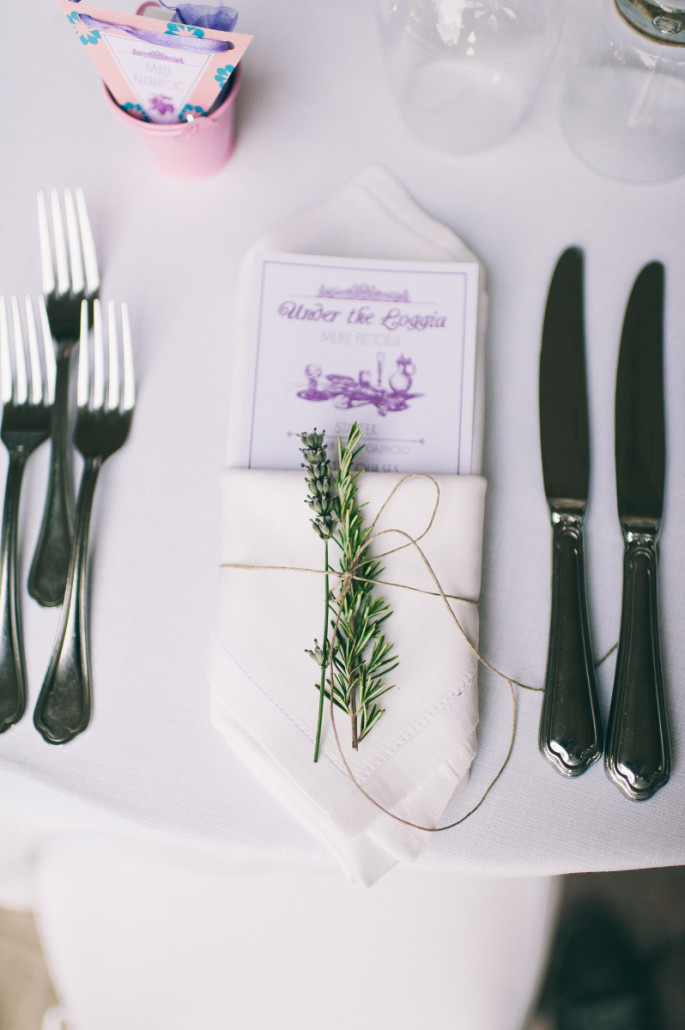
(314, 109)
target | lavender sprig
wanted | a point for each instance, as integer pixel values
(321, 499)
(321, 483)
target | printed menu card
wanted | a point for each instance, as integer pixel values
(388, 344)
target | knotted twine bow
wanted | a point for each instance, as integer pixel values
(352, 573)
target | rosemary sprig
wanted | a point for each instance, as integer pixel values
(362, 657)
(354, 648)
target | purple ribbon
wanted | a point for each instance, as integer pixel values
(207, 16)
(179, 41)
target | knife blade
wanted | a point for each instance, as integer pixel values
(638, 753)
(569, 734)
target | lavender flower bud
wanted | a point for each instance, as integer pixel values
(321, 497)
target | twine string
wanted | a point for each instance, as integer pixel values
(352, 574)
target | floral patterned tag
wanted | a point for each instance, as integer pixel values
(158, 71)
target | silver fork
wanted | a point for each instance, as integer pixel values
(27, 395)
(104, 410)
(69, 271)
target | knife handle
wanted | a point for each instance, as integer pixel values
(638, 756)
(570, 734)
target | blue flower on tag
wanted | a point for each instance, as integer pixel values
(136, 110)
(174, 28)
(93, 37)
(190, 111)
(222, 74)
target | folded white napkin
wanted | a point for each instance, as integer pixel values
(263, 683)
(374, 217)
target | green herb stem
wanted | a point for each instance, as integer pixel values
(354, 649)
(324, 661)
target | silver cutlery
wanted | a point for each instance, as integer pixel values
(104, 410)
(637, 756)
(27, 385)
(69, 274)
(569, 732)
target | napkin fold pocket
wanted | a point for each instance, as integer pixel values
(263, 682)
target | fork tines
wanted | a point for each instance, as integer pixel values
(22, 383)
(109, 387)
(74, 267)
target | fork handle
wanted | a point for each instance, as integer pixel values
(50, 565)
(12, 663)
(63, 706)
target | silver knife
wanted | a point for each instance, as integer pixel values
(570, 734)
(637, 754)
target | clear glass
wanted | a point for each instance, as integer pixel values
(465, 72)
(623, 108)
